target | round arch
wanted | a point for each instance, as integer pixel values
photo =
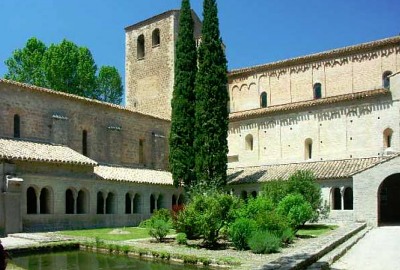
(389, 200)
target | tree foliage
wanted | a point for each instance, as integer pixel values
(63, 67)
(109, 85)
(181, 157)
(211, 112)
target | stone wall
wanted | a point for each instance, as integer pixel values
(352, 70)
(150, 79)
(113, 133)
(349, 129)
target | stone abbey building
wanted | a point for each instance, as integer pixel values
(71, 162)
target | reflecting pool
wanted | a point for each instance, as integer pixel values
(81, 260)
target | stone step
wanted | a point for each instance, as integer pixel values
(327, 260)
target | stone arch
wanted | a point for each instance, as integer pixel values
(31, 201)
(387, 137)
(174, 200)
(140, 47)
(153, 203)
(82, 202)
(249, 142)
(160, 201)
(100, 203)
(243, 195)
(308, 149)
(348, 198)
(69, 201)
(336, 199)
(137, 204)
(386, 79)
(46, 200)
(128, 203)
(110, 203)
(263, 100)
(389, 200)
(254, 194)
(317, 90)
(155, 37)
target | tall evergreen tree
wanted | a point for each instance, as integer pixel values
(211, 112)
(181, 157)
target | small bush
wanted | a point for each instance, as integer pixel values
(159, 228)
(287, 236)
(264, 242)
(240, 232)
(254, 207)
(181, 238)
(272, 222)
(296, 209)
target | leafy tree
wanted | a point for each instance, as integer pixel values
(211, 112)
(70, 68)
(25, 65)
(109, 85)
(296, 209)
(181, 157)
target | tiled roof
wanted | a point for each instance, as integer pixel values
(152, 19)
(134, 175)
(323, 170)
(318, 56)
(74, 97)
(13, 149)
(305, 104)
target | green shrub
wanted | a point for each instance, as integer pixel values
(240, 232)
(181, 238)
(296, 209)
(275, 190)
(272, 222)
(159, 228)
(287, 236)
(255, 206)
(164, 214)
(206, 215)
(264, 242)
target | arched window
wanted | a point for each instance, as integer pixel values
(17, 127)
(317, 91)
(136, 204)
(243, 195)
(141, 151)
(181, 199)
(174, 200)
(140, 47)
(69, 202)
(156, 37)
(254, 194)
(110, 203)
(336, 199)
(386, 79)
(263, 100)
(45, 201)
(100, 203)
(348, 199)
(84, 143)
(160, 202)
(249, 142)
(31, 201)
(128, 204)
(82, 202)
(152, 203)
(308, 149)
(387, 137)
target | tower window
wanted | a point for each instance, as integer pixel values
(308, 149)
(386, 80)
(84, 143)
(140, 47)
(156, 37)
(249, 142)
(263, 100)
(387, 137)
(17, 131)
(317, 91)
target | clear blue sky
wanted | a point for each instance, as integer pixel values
(254, 31)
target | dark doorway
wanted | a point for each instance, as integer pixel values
(389, 201)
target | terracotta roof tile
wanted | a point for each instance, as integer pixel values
(13, 149)
(134, 175)
(323, 170)
(305, 104)
(317, 56)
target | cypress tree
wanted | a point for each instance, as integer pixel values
(211, 113)
(181, 157)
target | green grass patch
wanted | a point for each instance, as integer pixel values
(112, 234)
(314, 230)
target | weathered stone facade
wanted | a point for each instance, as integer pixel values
(72, 162)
